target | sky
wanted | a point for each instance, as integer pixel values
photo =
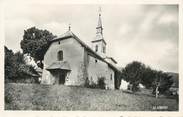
(145, 33)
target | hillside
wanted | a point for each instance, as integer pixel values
(59, 97)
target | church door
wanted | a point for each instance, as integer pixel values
(62, 75)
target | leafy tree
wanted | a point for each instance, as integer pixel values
(163, 81)
(148, 77)
(9, 67)
(133, 73)
(19, 58)
(16, 68)
(137, 72)
(35, 43)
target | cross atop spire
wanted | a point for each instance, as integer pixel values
(100, 10)
(69, 26)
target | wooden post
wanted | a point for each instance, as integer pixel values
(157, 92)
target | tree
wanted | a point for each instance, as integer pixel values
(133, 73)
(149, 76)
(164, 82)
(35, 43)
(19, 58)
(137, 72)
(16, 69)
(9, 67)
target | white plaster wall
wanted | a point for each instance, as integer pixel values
(100, 69)
(100, 48)
(109, 81)
(73, 53)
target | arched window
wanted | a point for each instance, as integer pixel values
(96, 48)
(60, 55)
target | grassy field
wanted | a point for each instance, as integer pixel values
(59, 97)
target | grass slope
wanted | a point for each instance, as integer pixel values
(59, 97)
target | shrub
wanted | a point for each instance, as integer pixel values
(101, 83)
(91, 84)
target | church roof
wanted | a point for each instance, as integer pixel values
(70, 34)
(65, 35)
(61, 65)
(100, 40)
(111, 59)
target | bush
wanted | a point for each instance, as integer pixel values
(100, 83)
(133, 87)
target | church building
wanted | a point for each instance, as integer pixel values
(69, 61)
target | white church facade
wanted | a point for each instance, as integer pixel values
(70, 61)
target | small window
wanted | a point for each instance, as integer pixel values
(104, 49)
(96, 48)
(59, 42)
(111, 76)
(60, 55)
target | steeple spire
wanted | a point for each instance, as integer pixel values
(99, 20)
(99, 27)
(99, 44)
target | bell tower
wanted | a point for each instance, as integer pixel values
(99, 44)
